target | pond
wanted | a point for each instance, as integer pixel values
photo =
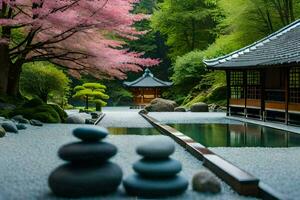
(133, 131)
(238, 135)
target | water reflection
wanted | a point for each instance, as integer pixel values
(238, 135)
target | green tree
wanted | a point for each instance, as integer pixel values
(42, 79)
(188, 25)
(92, 93)
(152, 43)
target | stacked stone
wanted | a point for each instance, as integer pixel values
(156, 171)
(88, 171)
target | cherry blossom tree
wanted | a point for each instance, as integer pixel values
(84, 36)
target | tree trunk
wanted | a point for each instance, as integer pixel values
(4, 68)
(44, 97)
(14, 80)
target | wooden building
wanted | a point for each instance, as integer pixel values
(146, 88)
(263, 79)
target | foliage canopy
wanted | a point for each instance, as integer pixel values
(42, 80)
(92, 93)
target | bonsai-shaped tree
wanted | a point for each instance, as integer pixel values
(92, 93)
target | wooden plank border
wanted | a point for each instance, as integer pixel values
(99, 119)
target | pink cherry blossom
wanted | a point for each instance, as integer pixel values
(84, 36)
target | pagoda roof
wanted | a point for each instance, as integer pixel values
(278, 49)
(147, 80)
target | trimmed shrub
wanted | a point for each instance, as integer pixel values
(43, 112)
(62, 114)
(33, 103)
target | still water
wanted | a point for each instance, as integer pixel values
(133, 131)
(238, 135)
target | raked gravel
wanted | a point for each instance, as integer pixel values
(277, 167)
(124, 119)
(28, 158)
(191, 117)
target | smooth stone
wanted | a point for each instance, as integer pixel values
(85, 180)
(91, 133)
(205, 181)
(75, 119)
(10, 127)
(87, 152)
(179, 109)
(2, 131)
(157, 168)
(90, 121)
(21, 127)
(136, 185)
(35, 122)
(158, 147)
(95, 115)
(199, 107)
(20, 119)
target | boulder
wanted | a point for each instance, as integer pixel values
(205, 181)
(2, 131)
(161, 105)
(20, 119)
(9, 126)
(75, 119)
(35, 122)
(179, 109)
(199, 107)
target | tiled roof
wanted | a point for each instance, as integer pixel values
(147, 80)
(279, 48)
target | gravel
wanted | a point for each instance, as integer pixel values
(124, 119)
(277, 167)
(190, 117)
(28, 158)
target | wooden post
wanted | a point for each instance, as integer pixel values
(287, 92)
(245, 91)
(262, 94)
(228, 92)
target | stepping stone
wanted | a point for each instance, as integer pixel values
(157, 168)
(136, 185)
(92, 133)
(158, 147)
(95, 152)
(85, 180)
(10, 127)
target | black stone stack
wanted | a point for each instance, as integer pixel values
(88, 171)
(156, 171)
